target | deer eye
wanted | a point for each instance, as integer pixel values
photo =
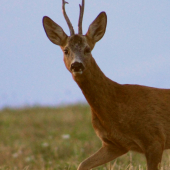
(87, 50)
(66, 52)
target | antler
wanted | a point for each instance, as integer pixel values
(80, 31)
(66, 18)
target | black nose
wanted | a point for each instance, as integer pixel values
(76, 66)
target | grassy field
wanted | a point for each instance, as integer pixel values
(55, 139)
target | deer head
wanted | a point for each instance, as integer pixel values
(76, 48)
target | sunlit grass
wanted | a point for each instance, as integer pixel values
(55, 139)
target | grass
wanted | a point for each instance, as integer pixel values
(55, 139)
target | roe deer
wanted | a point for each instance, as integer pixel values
(125, 117)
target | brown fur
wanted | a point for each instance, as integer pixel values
(125, 117)
(128, 117)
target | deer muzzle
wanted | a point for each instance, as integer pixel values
(77, 68)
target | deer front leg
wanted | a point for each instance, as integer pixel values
(104, 155)
(154, 156)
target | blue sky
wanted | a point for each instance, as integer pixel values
(134, 50)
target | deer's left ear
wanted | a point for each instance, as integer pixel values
(97, 28)
(54, 32)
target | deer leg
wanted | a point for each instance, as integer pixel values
(154, 156)
(104, 155)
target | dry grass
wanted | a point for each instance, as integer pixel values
(55, 139)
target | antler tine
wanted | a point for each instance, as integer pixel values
(81, 18)
(66, 18)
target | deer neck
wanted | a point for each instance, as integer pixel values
(98, 90)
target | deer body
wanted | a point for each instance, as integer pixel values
(125, 117)
(128, 117)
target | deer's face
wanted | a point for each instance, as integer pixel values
(77, 47)
(77, 54)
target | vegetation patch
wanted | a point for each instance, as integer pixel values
(56, 139)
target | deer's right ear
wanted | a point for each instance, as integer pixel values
(54, 32)
(97, 28)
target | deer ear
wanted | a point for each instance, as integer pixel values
(54, 32)
(97, 28)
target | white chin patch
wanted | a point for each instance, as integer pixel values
(77, 72)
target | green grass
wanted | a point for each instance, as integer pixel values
(55, 139)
